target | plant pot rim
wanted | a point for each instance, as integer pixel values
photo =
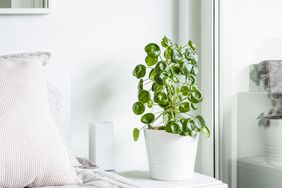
(172, 134)
(154, 129)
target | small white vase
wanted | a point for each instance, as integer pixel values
(171, 157)
(273, 142)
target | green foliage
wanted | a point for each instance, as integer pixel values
(138, 108)
(136, 133)
(170, 87)
(139, 71)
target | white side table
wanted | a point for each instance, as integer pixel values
(198, 181)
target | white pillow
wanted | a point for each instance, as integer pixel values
(31, 150)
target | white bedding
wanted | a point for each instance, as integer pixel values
(96, 178)
(93, 177)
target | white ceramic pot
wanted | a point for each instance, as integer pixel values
(171, 157)
(273, 142)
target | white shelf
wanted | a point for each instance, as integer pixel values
(25, 11)
(260, 164)
(198, 181)
(255, 172)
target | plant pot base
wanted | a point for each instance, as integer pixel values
(171, 157)
(170, 178)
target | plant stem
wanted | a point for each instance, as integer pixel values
(181, 101)
(159, 112)
(187, 114)
(185, 46)
(142, 127)
(157, 118)
(147, 83)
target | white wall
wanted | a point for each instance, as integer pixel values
(251, 33)
(95, 46)
(193, 25)
(257, 36)
(109, 41)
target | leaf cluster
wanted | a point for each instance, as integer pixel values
(168, 82)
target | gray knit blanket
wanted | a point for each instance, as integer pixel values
(93, 177)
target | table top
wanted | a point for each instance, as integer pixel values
(198, 181)
(259, 164)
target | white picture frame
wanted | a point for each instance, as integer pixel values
(28, 11)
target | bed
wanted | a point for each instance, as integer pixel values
(96, 178)
(33, 142)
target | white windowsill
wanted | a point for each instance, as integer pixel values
(198, 181)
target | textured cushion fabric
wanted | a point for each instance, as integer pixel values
(55, 99)
(32, 153)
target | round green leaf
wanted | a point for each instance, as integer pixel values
(194, 133)
(195, 97)
(176, 56)
(171, 89)
(164, 106)
(167, 81)
(206, 131)
(188, 125)
(200, 122)
(140, 85)
(163, 75)
(191, 79)
(188, 51)
(158, 79)
(167, 53)
(194, 58)
(184, 90)
(156, 87)
(194, 106)
(167, 115)
(139, 71)
(160, 67)
(136, 134)
(152, 74)
(192, 45)
(148, 118)
(195, 70)
(166, 42)
(175, 79)
(144, 96)
(161, 98)
(172, 127)
(150, 104)
(186, 68)
(177, 90)
(175, 69)
(151, 60)
(191, 56)
(138, 108)
(185, 133)
(184, 107)
(194, 88)
(153, 50)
